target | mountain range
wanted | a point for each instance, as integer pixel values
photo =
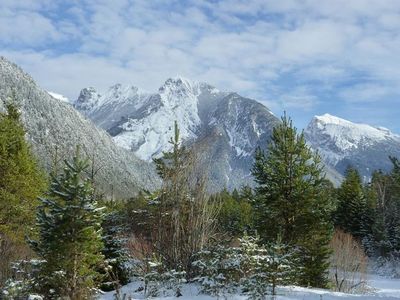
(232, 125)
(124, 128)
(226, 126)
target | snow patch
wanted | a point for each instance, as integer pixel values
(58, 96)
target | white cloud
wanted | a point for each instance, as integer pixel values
(272, 50)
(366, 92)
(300, 97)
(26, 28)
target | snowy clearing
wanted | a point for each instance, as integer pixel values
(382, 288)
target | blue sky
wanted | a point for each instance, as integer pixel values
(307, 57)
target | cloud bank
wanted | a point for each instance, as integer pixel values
(306, 57)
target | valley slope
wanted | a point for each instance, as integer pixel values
(53, 124)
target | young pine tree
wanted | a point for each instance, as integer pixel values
(185, 216)
(115, 251)
(291, 201)
(69, 222)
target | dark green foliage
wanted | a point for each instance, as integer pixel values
(385, 191)
(115, 252)
(141, 214)
(236, 212)
(283, 266)
(22, 282)
(158, 280)
(371, 213)
(353, 213)
(291, 200)
(69, 241)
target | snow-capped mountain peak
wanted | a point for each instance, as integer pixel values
(178, 82)
(341, 143)
(87, 100)
(346, 134)
(120, 94)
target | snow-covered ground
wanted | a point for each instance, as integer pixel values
(381, 288)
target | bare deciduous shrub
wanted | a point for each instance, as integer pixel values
(185, 215)
(348, 263)
(139, 247)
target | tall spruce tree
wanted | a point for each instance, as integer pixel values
(69, 222)
(290, 200)
(353, 212)
(383, 213)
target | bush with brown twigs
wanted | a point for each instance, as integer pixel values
(348, 264)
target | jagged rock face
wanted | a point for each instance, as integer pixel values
(87, 99)
(227, 127)
(53, 124)
(342, 143)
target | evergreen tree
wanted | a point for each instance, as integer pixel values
(235, 215)
(393, 207)
(115, 251)
(282, 265)
(21, 182)
(353, 213)
(141, 214)
(383, 212)
(255, 263)
(290, 200)
(69, 222)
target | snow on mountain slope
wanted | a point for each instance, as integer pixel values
(58, 96)
(349, 135)
(54, 125)
(342, 143)
(143, 122)
(148, 136)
